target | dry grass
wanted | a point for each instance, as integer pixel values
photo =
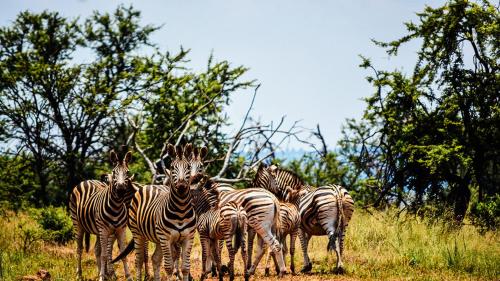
(378, 247)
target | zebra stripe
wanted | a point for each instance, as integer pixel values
(100, 209)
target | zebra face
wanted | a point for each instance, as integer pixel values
(196, 162)
(180, 170)
(120, 177)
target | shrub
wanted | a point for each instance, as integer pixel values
(56, 225)
(486, 215)
(30, 236)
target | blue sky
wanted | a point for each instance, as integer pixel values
(304, 53)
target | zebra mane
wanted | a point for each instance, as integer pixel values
(291, 174)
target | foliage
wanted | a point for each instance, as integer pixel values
(486, 214)
(56, 225)
(16, 184)
(429, 137)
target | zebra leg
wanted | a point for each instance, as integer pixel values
(293, 236)
(166, 247)
(145, 259)
(157, 262)
(232, 254)
(304, 243)
(109, 266)
(258, 255)
(104, 233)
(251, 236)
(268, 259)
(216, 258)
(244, 254)
(120, 235)
(186, 254)
(139, 257)
(213, 266)
(332, 240)
(205, 257)
(176, 250)
(275, 247)
(79, 250)
(97, 252)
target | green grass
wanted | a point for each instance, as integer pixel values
(378, 247)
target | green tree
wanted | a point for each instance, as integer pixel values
(433, 136)
(55, 108)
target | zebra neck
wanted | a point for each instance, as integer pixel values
(180, 198)
(112, 198)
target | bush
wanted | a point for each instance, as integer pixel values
(56, 225)
(486, 215)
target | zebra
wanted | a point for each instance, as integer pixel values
(165, 217)
(100, 209)
(196, 167)
(263, 211)
(221, 223)
(325, 210)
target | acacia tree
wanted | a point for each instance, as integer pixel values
(434, 136)
(58, 109)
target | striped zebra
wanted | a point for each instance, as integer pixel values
(263, 211)
(221, 224)
(100, 209)
(196, 167)
(165, 217)
(325, 210)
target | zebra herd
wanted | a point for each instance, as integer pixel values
(277, 205)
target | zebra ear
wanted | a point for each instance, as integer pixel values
(273, 169)
(113, 158)
(203, 152)
(178, 150)
(188, 149)
(171, 150)
(127, 157)
(168, 177)
(196, 152)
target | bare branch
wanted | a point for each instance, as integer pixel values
(237, 138)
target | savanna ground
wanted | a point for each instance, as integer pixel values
(379, 246)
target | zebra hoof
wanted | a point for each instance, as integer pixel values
(266, 272)
(214, 271)
(339, 270)
(247, 276)
(224, 269)
(307, 268)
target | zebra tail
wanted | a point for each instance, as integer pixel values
(128, 250)
(241, 222)
(86, 239)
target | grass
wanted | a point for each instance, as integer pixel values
(378, 247)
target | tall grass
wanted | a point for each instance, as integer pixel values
(379, 246)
